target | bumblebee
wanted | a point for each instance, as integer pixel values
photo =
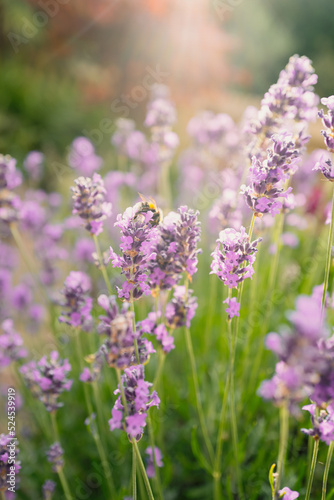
(148, 205)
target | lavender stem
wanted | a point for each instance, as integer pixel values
(326, 471)
(313, 465)
(328, 256)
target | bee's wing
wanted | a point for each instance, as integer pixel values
(149, 200)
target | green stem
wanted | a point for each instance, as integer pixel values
(233, 412)
(95, 432)
(329, 255)
(61, 474)
(283, 444)
(326, 471)
(251, 227)
(156, 468)
(220, 435)
(2, 495)
(132, 308)
(143, 470)
(197, 395)
(271, 284)
(64, 484)
(209, 317)
(54, 425)
(161, 362)
(313, 465)
(134, 482)
(102, 266)
(229, 390)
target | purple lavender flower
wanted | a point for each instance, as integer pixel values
(88, 197)
(8, 452)
(82, 157)
(175, 248)
(77, 305)
(47, 379)
(22, 296)
(225, 210)
(150, 469)
(160, 111)
(328, 121)
(33, 164)
(10, 177)
(210, 129)
(138, 401)
(137, 236)
(48, 489)
(267, 176)
(124, 128)
(161, 115)
(10, 344)
(326, 167)
(322, 423)
(305, 366)
(291, 98)
(119, 350)
(233, 307)
(323, 388)
(83, 250)
(234, 257)
(152, 326)
(55, 456)
(181, 309)
(32, 215)
(49, 251)
(287, 494)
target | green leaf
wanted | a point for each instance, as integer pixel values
(197, 452)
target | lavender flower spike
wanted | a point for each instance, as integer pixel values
(150, 469)
(234, 257)
(47, 379)
(10, 344)
(267, 177)
(175, 248)
(328, 121)
(88, 197)
(138, 233)
(138, 401)
(322, 425)
(76, 305)
(326, 167)
(82, 157)
(48, 489)
(118, 349)
(55, 456)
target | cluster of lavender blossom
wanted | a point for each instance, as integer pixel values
(158, 256)
(148, 156)
(232, 262)
(47, 379)
(132, 412)
(306, 365)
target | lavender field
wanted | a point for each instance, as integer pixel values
(166, 282)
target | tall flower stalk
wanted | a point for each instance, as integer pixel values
(232, 262)
(312, 468)
(326, 471)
